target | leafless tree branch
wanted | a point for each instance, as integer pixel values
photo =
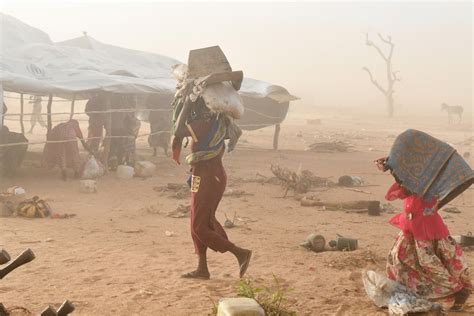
(370, 43)
(374, 82)
(387, 40)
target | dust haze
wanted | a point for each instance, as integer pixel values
(302, 170)
(316, 50)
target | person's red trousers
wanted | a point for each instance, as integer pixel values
(207, 187)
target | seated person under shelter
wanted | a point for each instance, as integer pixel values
(13, 155)
(62, 149)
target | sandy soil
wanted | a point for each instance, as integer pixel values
(114, 258)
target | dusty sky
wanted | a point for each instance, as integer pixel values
(315, 49)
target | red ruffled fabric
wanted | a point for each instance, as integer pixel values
(425, 222)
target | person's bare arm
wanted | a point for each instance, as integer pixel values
(181, 130)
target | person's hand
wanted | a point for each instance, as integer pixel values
(380, 163)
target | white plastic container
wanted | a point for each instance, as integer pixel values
(144, 169)
(125, 172)
(92, 169)
(88, 186)
(240, 306)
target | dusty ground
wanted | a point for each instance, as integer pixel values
(114, 258)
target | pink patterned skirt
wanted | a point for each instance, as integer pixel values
(433, 269)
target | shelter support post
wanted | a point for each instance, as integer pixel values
(1, 129)
(72, 107)
(276, 136)
(22, 111)
(108, 133)
(50, 123)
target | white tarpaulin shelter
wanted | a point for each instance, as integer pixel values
(32, 64)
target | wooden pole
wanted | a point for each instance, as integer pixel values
(1, 130)
(72, 107)
(22, 110)
(50, 123)
(276, 136)
(108, 132)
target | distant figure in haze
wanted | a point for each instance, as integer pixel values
(123, 147)
(13, 155)
(453, 110)
(4, 111)
(64, 150)
(160, 125)
(96, 121)
(36, 116)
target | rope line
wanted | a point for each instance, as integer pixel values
(106, 137)
(92, 112)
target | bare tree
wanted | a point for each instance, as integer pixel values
(392, 76)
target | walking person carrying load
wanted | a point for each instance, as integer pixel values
(204, 107)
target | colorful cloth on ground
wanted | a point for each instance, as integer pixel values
(65, 153)
(33, 208)
(420, 217)
(429, 167)
(433, 269)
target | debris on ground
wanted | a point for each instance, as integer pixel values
(176, 190)
(353, 260)
(229, 223)
(358, 190)
(180, 212)
(314, 242)
(350, 181)
(152, 209)
(330, 147)
(88, 186)
(14, 310)
(236, 193)
(131, 231)
(354, 206)
(466, 240)
(298, 182)
(144, 169)
(452, 209)
(388, 208)
(344, 244)
(259, 178)
(170, 233)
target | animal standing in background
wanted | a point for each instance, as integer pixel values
(453, 110)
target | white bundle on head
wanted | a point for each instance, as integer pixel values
(223, 98)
